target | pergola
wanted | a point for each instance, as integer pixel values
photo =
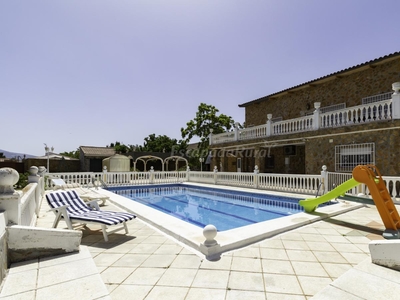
(176, 159)
(164, 162)
(147, 158)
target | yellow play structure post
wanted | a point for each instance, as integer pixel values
(370, 176)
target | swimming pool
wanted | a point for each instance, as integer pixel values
(193, 235)
(202, 206)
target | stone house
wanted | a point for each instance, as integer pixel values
(340, 120)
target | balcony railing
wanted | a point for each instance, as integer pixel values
(387, 109)
(360, 114)
(293, 125)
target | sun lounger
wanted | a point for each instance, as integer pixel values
(67, 205)
(85, 194)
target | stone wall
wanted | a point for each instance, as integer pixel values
(3, 248)
(349, 89)
(55, 165)
(321, 150)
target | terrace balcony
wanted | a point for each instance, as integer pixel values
(378, 108)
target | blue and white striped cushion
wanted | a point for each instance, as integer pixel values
(78, 210)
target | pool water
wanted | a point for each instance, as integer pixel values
(225, 209)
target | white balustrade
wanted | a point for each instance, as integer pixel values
(235, 179)
(393, 186)
(360, 114)
(225, 137)
(253, 132)
(365, 113)
(83, 178)
(295, 183)
(167, 177)
(293, 125)
(201, 177)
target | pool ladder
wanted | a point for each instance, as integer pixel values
(103, 184)
(319, 187)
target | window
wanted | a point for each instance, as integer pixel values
(269, 162)
(349, 156)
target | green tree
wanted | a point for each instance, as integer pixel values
(22, 181)
(162, 143)
(207, 118)
(119, 147)
(73, 154)
(2, 155)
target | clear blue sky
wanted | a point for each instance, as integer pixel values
(93, 72)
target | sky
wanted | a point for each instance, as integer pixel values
(89, 73)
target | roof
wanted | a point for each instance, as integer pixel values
(342, 72)
(53, 155)
(89, 151)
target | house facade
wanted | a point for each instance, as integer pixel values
(343, 119)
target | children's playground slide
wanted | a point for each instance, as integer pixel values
(311, 204)
(370, 176)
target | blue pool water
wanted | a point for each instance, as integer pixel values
(202, 206)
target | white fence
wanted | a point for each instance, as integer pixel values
(304, 184)
(292, 183)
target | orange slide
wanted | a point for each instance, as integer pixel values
(369, 175)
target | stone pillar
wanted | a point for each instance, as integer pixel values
(257, 158)
(316, 116)
(236, 131)
(35, 178)
(210, 137)
(269, 124)
(33, 175)
(187, 173)
(8, 177)
(396, 101)
(256, 172)
(214, 158)
(215, 174)
(9, 198)
(151, 174)
(210, 247)
(324, 180)
(41, 173)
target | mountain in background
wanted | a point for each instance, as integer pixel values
(8, 154)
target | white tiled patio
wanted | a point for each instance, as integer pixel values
(324, 260)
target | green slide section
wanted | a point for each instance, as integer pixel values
(311, 204)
